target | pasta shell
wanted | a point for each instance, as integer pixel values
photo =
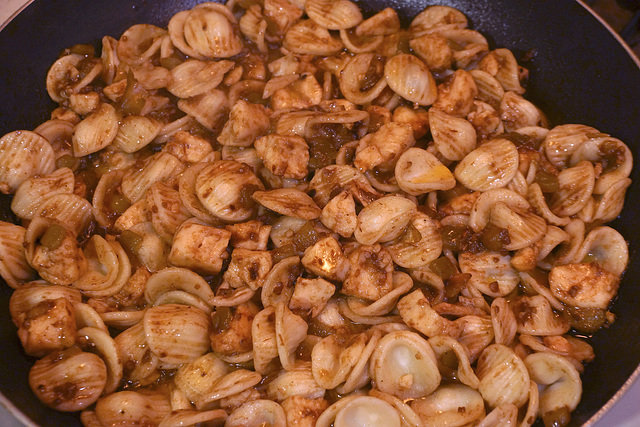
(382, 23)
(419, 172)
(31, 192)
(404, 365)
(101, 342)
(334, 14)
(442, 407)
(410, 78)
(308, 37)
(453, 137)
(254, 27)
(132, 407)
(258, 412)
(263, 337)
(210, 109)
(188, 417)
(194, 77)
(198, 377)
(536, 317)
(135, 132)
(224, 189)
(339, 177)
(384, 219)
(176, 278)
(560, 381)
(612, 201)
(167, 211)
(23, 154)
(501, 64)
(524, 228)
(333, 358)
(413, 254)
(350, 80)
(489, 89)
(139, 43)
(279, 284)
(159, 167)
(61, 76)
(576, 186)
(177, 333)
(516, 112)
(109, 268)
(82, 375)
(96, 131)
(607, 247)
(563, 140)
(209, 30)
(297, 381)
(477, 333)
(503, 320)
(491, 273)
(137, 359)
(69, 209)
(433, 18)
(504, 378)
(363, 410)
(291, 330)
(491, 165)
(447, 346)
(14, 267)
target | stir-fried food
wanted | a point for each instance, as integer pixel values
(283, 212)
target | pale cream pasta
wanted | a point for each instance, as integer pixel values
(286, 213)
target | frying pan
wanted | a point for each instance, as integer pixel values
(579, 73)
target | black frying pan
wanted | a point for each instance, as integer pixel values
(579, 73)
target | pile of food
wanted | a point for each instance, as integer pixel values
(281, 212)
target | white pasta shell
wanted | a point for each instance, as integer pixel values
(259, 412)
(404, 365)
(139, 43)
(612, 201)
(412, 254)
(138, 361)
(31, 294)
(503, 320)
(96, 131)
(491, 165)
(607, 247)
(177, 279)
(516, 112)
(410, 78)
(446, 346)
(229, 385)
(489, 89)
(23, 154)
(109, 268)
(576, 186)
(31, 192)
(279, 284)
(291, 330)
(524, 228)
(296, 381)
(188, 196)
(503, 377)
(135, 132)
(503, 66)
(535, 316)
(133, 407)
(187, 417)
(308, 37)
(539, 202)
(209, 109)
(351, 76)
(289, 202)
(71, 210)
(334, 14)
(383, 23)
(434, 17)
(360, 410)
(159, 167)
(194, 77)
(333, 178)
(62, 75)
(254, 27)
(454, 137)
(224, 189)
(210, 30)
(491, 272)
(563, 140)
(384, 219)
(333, 358)
(560, 382)
(419, 172)
(167, 211)
(443, 406)
(198, 377)
(14, 267)
(101, 342)
(177, 333)
(357, 44)
(477, 333)
(263, 338)
(82, 375)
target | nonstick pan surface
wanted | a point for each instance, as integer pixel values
(579, 73)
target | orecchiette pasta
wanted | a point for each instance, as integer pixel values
(285, 212)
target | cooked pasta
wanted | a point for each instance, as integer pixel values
(285, 213)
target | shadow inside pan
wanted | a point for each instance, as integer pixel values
(579, 73)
